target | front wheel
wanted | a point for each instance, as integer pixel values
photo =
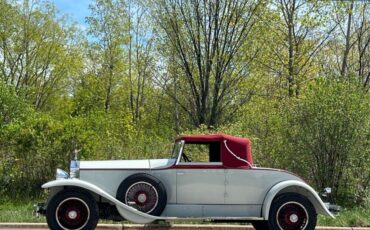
(72, 210)
(292, 211)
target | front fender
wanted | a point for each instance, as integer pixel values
(126, 211)
(297, 187)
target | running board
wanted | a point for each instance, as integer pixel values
(211, 218)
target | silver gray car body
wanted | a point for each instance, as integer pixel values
(195, 190)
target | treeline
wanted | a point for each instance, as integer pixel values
(292, 75)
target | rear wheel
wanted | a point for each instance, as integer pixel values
(292, 212)
(72, 210)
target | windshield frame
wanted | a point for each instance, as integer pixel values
(177, 150)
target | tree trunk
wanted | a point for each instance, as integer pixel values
(348, 45)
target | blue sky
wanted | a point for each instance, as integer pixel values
(77, 10)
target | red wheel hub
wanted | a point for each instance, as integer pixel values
(141, 198)
(292, 216)
(72, 213)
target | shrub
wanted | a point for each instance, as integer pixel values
(329, 130)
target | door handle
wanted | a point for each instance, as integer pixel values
(180, 173)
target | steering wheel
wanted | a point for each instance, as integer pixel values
(185, 157)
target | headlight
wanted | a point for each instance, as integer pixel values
(75, 169)
(61, 174)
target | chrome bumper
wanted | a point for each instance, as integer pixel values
(333, 207)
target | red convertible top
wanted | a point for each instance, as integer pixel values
(235, 151)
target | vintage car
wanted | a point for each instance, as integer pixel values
(207, 177)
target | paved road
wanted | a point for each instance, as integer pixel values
(34, 226)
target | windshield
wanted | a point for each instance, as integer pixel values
(176, 149)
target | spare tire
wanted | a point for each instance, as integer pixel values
(143, 192)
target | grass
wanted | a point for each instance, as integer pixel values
(23, 212)
(358, 217)
(19, 212)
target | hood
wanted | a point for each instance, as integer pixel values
(127, 164)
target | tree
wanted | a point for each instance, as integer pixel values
(107, 24)
(205, 39)
(356, 48)
(363, 45)
(140, 59)
(36, 56)
(299, 30)
(347, 51)
(348, 36)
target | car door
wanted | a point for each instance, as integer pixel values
(199, 181)
(200, 184)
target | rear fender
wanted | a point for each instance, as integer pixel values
(126, 211)
(295, 187)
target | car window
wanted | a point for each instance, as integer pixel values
(201, 152)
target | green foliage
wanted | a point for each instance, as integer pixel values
(32, 150)
(12, 107)
(122, 92)
(329, 132)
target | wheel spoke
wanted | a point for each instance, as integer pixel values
(143, 196)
